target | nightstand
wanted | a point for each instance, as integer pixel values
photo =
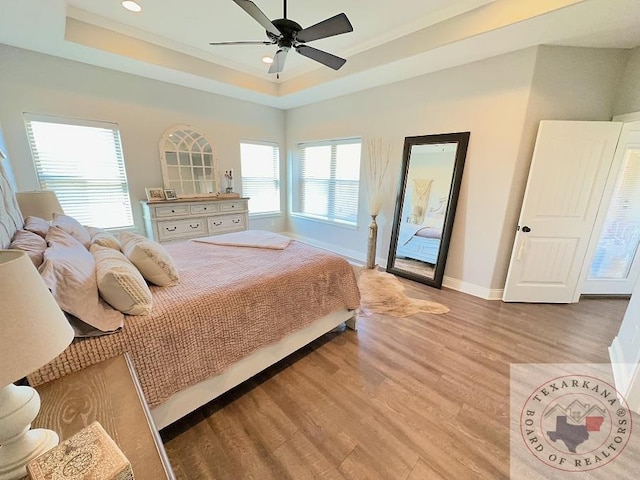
(108, 392)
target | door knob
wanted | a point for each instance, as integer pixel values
(526, 229)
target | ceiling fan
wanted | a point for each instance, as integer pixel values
(287, 34)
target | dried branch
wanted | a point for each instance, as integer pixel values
(379, 157)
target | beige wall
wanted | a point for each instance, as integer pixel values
(143, 109)
(628, 98)
(487, 98)
(500, 101)
(568, 84)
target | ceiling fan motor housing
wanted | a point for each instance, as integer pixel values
(289, 30)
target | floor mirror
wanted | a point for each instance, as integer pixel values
(430, 180)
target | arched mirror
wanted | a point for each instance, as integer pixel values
(429, 185)
(188, 162)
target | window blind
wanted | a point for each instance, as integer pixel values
(329, 180)
(618, 244)
(260, 165)
(82, 162)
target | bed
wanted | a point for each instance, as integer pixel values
(234, 312)
(419, 242)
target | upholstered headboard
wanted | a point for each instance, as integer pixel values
(10, 216)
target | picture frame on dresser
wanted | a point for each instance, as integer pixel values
(170, 194)
(154, 194)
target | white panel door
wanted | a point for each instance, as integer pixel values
(568, 174)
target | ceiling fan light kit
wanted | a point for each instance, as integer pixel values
(287, 34)
(131, 6)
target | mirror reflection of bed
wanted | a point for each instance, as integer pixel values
(421, 229)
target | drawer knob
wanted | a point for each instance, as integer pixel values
(171, 229)
(197, 225)
(217, 224)
(173, 211)
(205, 208)
(237, 220)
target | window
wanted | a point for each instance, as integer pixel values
(82, 162)
(329, 181)
(260, 162)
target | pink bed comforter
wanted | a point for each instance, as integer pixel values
(230, 302)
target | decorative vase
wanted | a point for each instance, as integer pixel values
(371, 244)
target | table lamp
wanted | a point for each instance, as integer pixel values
(40, 203)
(34, 331)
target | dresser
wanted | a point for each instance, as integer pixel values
(175, 220)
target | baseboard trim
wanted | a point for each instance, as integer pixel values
(353, 256)
(359, 258)
(472, 289)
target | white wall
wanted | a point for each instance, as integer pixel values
(628, 99)
(143, 109)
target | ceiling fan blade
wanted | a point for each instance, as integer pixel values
(327, 28)
(325, 58)
(258, 42)
(252, 9)
(278, 61)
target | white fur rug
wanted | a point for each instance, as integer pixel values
(382, 292)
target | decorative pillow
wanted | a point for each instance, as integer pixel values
(120, 283)
(32, 243)
(101, 237)
(72, 227)
(150, 258)
(37, 225)
(70, 273)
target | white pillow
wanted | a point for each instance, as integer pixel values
(70, 273)
(72, 227)
(37, 225)
(153, 261)
(120, 283)
(100, 236)
(32, 243)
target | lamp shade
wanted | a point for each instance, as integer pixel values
(41, 203)
(34, 329)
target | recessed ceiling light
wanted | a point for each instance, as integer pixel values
(132, 6)
(267, 60)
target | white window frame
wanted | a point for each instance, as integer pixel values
(297, 183)
(69, 188)
(276, 179)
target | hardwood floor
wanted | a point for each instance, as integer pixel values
(422, 397)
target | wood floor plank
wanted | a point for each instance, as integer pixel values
(421, 397)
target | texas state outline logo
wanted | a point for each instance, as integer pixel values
(575, 423)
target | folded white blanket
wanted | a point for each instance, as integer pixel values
(248, 238)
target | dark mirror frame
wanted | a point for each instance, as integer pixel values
(462, 140)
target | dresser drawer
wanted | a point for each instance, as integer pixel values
(204, 208)
(232, 206)
(225, 222)
(170, 229)
(173, 210)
